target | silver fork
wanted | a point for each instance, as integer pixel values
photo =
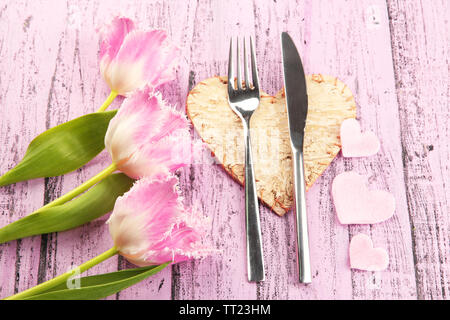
(244, 101)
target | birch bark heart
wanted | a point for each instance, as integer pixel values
(364, 256)
(356, 204)
(356, 143)
(330, 103)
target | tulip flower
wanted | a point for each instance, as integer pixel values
(149, 226)
(146, 138)
(131, 59)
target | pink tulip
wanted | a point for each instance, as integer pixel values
(130, 59)
(149, 224)
(147, 138)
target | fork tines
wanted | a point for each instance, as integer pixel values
(253, 84)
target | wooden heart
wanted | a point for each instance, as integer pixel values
(330, 102)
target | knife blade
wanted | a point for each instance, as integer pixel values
(297, 110)
(295, 89)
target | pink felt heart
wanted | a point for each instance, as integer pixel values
(355, 204)
(364, 256)
(357, 144)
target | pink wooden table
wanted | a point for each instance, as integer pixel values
(393, 54)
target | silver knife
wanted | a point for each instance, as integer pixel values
(297, 109)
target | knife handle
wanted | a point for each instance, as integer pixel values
(255, 261)
(303, 259)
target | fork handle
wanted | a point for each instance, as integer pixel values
(255, 261)
(303, 259)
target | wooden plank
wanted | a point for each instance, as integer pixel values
(26, 65)
(207, 187)
(375, 89)
(420, 36)
(76, 89)
(160, 14)
(279, 234)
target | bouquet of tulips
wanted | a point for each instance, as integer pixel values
(145, 138)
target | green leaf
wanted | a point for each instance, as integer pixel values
(99, 286)
(91, 205)
(62, 149)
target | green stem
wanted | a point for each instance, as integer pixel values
(108, 101)
(41, 288)
(81, 188)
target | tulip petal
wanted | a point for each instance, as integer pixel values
(150, 225)
(134, 120)
(112, 37)
(148, 138)
(160, 158)
(145, 58)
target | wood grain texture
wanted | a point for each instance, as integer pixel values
(421, 49)
(394, 57)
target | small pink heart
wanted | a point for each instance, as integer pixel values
(355, 204)
(364, 256)
(357, 144)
